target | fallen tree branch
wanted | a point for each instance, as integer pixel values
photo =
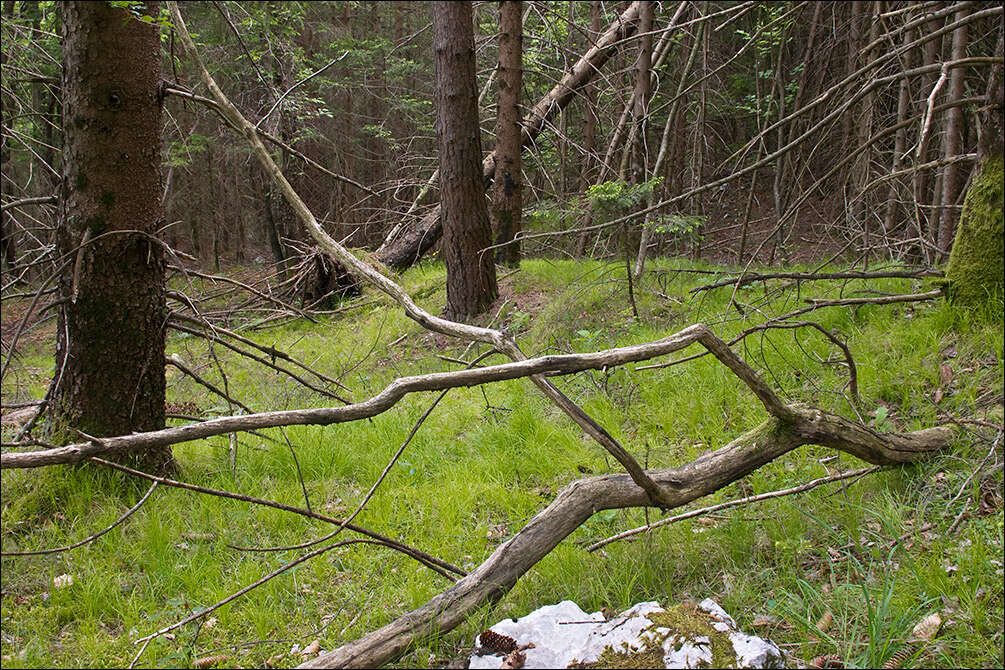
(435, 564)
(882, 300)
(173, 323)
(745, 279)
(377, 404)
(579, 500)
(500, 340)
(128, 513)
(812, 484)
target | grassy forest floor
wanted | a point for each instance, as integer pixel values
(875, 554)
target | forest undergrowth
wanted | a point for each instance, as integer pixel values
(847, 569)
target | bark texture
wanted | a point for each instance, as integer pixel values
(507, 190)
(110, 355)
(471, 273)
(976, 266)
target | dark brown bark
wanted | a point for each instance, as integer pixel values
(471, 273)
(110, 354)
(8, 251)
(507, 193)
(640, 109)
(415, 241)
(590, 122)
(953, 142)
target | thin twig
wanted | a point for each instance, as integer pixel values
(428, 560)
(90, 538)
(733, 503)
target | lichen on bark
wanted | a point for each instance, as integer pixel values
(976, 272)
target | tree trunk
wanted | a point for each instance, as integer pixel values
(8, 251)
(110, 353)
(976, 273)
(923, 178)
(507, 192)
(413, 242)
(635, 237)
(471, 274)
(953, 141)
(590, 121)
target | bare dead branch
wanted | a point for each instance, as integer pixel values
(24, 202)
(882, 300)
(582, 498)
(433, 563)
(746, 279)
(812, 484)
(384, 400)
(176, 362)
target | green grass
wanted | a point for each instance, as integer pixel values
(488, 459)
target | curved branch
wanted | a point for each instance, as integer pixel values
(582, 498)
(381, 402)
(128, 513)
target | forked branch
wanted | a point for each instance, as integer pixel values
(584, 497)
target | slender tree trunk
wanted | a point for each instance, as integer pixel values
(636, 238)
(893, 208)
(110, 352)
(8, 250)
(952, 142)
(590, 122)
(507, 191)
(471, 275)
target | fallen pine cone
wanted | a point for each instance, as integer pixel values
(496, 643)
(208, 661)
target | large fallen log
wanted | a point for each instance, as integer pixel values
(406, 244)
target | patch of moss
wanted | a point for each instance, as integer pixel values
(976, 266)
(685, 622)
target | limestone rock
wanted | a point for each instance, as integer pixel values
(646, 635)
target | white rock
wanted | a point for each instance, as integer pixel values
(564, 633)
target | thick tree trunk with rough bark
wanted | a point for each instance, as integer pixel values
(110, 355)
(471, 273)
(507, 193)
(412, 243)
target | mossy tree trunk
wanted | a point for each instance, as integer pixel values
(976, 265)
(110, 354)
(976, 268)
